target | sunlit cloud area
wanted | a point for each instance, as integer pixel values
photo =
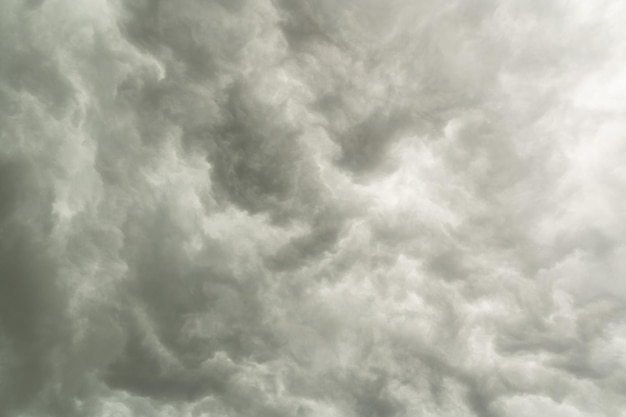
(312, 208)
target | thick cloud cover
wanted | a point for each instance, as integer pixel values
(312, 208)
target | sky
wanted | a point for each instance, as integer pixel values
(312, 208)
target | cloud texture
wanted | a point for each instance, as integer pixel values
(312, 208)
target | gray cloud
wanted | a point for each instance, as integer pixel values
(287, 208)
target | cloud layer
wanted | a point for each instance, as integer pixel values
(297, 208)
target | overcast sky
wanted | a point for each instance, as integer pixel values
(312, 208)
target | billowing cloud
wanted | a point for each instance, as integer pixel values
(297, 208)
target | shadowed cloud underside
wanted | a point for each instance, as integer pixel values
(355, 208)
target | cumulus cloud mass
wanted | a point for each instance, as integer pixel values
(312, 208)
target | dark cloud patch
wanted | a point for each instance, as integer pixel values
(31, 317)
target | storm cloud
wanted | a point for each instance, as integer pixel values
(312, 208)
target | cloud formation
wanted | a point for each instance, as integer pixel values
(296, 208)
